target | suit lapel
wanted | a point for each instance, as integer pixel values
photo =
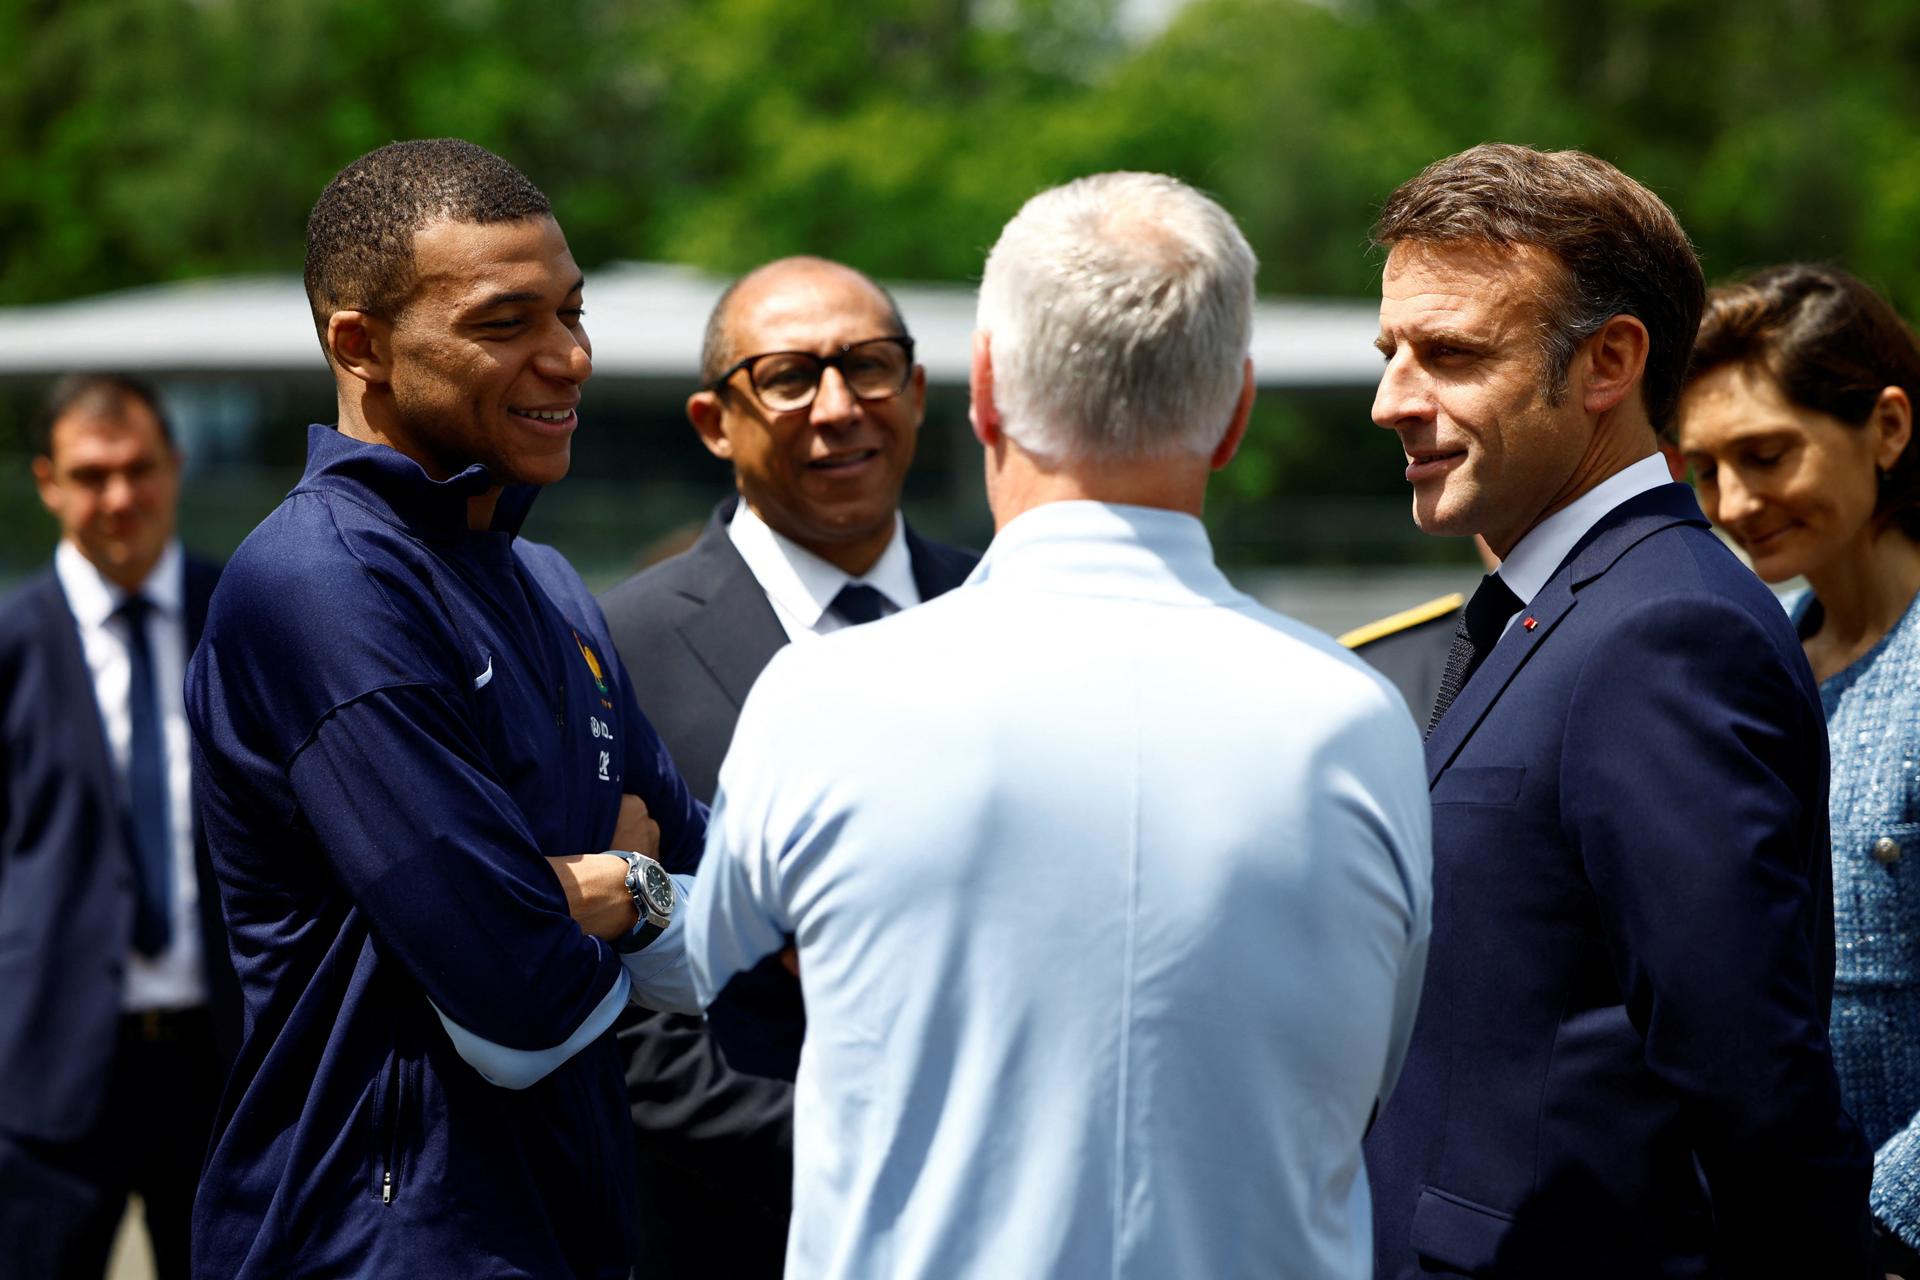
(201, 579)
(733, 631)
(1616, 532)
(1545, 612)
(73, 687)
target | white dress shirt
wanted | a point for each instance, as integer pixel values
(174, 978)
(1111, 892)
(801, 586)
(1542, 548)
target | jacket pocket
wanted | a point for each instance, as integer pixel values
(1484, 784)
(1473, 1240)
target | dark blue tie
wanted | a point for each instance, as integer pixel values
(1474, 636)
(147, 826)
(858, 603)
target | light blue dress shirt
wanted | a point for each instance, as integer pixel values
(1111, 890)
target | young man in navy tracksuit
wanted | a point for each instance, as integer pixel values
(414, 740)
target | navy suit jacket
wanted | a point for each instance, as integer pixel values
(66, 874)
(1620, 1067)
(715, 1133)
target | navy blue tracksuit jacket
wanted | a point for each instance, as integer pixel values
(395, 720)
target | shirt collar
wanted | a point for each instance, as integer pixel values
(392, 484)
(804, 585)
(1108, 549)
(1535, 557)
(93, 598)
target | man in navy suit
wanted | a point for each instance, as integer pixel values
(809, 389)
(117, 1003)
(1620, 1067)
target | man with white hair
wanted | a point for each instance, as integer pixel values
(1109, 886)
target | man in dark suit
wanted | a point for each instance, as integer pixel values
(809, 389)
(118, 1012)
(1620, 1067)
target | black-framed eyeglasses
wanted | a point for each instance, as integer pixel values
(784, 381)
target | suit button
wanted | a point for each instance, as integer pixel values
(1886, 849)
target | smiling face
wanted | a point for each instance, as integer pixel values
(827, 476)
(1795, 488)
(487, 356)
(113, 482)
(1465, 389)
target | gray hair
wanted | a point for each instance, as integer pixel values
(1120, 308)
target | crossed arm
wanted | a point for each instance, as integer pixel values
(596, 883)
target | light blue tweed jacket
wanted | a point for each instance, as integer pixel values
(1873, 727)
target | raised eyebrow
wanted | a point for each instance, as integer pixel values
(1385, 345)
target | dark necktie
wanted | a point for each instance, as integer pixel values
(858, 603)
(147, 826)
(1473, 638)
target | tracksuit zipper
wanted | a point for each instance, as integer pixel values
(386, 1120)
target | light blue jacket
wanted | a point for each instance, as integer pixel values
(1873, 729)
(1111, 890)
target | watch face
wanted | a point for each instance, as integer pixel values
(658, 888)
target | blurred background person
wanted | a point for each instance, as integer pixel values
(809, 389)
(1797, 421)
(118, 1009)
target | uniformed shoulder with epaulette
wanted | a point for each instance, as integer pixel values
(1406, 619)
(1410, 649)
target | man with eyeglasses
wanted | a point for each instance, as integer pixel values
(809, 389)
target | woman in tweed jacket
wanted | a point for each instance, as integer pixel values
(1798, 424)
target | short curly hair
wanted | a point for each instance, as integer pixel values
(360, 234)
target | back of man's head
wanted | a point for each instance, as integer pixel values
(360, 234)
(1119, 309)
(1621, 249)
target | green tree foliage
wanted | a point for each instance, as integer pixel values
(149, 140)
(154, 139)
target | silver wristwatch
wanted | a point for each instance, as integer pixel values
(653, 897)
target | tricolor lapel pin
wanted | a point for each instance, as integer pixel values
(1530, 622)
